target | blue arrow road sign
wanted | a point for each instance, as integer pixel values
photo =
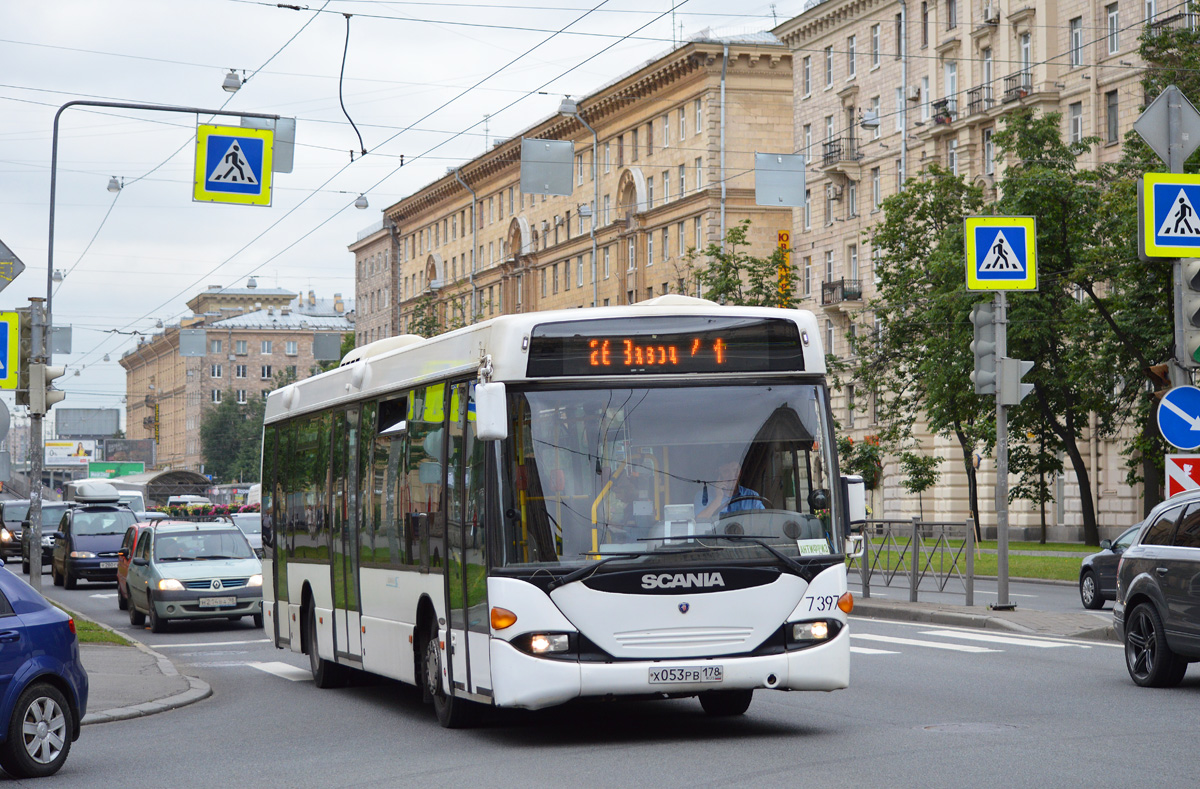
(1179, 417)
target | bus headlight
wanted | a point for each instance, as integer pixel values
(170, 585)
(810, 631)
(543, 643)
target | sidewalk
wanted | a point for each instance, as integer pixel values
(1096, 626)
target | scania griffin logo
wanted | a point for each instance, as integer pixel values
(681, 580)
(684, 608)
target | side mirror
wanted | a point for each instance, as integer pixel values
(491, 412)
(1106, 545)
(140, 562)
(856, 500)
(59, 535)
(24, 525)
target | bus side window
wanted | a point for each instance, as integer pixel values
(389, 493)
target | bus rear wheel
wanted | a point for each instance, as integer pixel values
(452, 713)
(726, 703)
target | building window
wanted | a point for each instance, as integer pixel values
(239, 371)
(1111, 115)
(698, 105)
(666, 182)
(829, 67)
(545, 291)
(1151, 10)
(900, 109)
(829, 265)
(215, 371)
(291, 347)
(578, 175)
(828, 336)
(807, 151)
(851, 57)
(924, 24)
(876, 189)
(579, 266)
(1114, 29)
(1076, 41)
(621, 151)
(216, 395)
(266, 346)
(666, 244)
(899, 23)
(951, 14)
(807, 78)
(241, 396)
(850, 404)
(554, 278)
(696, 229)
(682, 239)
(666, 124)
(214, 346)
(607, 210)
(852, 262)
(876, 110)
(682, 123)
(874, 45)
(952, 156)
(1076, 115)
(649, 137)
(650, 192)
(607, 261)
(607, 161)
(807, 209)
(631, 253)
(807, 268)
(699, 173)
(852, 198)
(266, 372)
(989, 153)
(650, 248)
(242, 347)
(925, 97)
(682, 180)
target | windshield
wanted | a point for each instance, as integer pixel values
(16, 511)
(190, 546)
(249, 523)
(51, 515)
(592, 472)
(90, 523)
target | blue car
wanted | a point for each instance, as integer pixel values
(43, 687)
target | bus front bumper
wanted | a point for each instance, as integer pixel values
(528, 682)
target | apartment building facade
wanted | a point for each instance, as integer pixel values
(938, 77)
(672, 168)
(375, 281)
(251, 335)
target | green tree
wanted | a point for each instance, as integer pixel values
(231, 435)
(920, 474)
(734, 276)
(425, 321)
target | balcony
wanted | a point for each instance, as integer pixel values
(945, 111)
(1180, 21)
(979, 99)
(840, 149)
(1018, 85)
(840, 290)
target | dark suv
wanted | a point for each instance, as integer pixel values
(1157, 612)
(12, 513)
(52, 512)
(87, 543)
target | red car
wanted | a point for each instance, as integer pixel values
(123, 555)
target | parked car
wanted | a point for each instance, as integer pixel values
(193, 570)
(1157, 610)
(251, 525)
(1098, 571)
(52, 513)
(124, 554)
(43, 686)
(12, 513)
(89, 536)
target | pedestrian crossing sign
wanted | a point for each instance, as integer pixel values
(1001, 253)
(1171, 227)
(233, 165)
(10, 358)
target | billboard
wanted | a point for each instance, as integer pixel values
(130, 450)
(70, 454)
(76, 423)
(107, 470)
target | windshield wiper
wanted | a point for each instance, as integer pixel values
(798, 568)
(575, 575)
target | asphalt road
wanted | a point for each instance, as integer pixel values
(928, 706)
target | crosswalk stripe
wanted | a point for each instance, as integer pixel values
(209, 644)
(283, 671)
(1011, 640)
(912, 642)
(869, 651)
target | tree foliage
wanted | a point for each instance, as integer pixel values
(231, 435)
(731, 275)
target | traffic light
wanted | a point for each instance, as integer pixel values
(1189, 354)
(1160, 380)
(1012, 391)
(41, 395)
(983, 316)
(24, 352)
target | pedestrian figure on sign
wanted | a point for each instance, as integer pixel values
(1182, 216)
(1002, 262)
(233, 159)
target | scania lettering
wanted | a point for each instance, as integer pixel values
(678, 580)
(637, 501)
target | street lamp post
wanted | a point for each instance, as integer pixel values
(41, 352)
(570, 109)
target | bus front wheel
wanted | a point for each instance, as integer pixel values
(726, 702)
(326, 673)
(452, 713)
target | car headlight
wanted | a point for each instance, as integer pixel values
(255, 580)
(170, 585)
(82, 555)
(5, 534)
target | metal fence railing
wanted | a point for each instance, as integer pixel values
(938, 551)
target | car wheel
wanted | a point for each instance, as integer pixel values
(258, 621)
(326, 673)
(69, 579)
(157, 623)
(136, 617)
(726, 703)
(122, 600)
(39, 733)
(1089, 593)
(1150, 661)
(25, 564)
(58, 579)
(452, 713)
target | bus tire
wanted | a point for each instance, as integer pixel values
(725, 703)
(326, 673)
(452, 713)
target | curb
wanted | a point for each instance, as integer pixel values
(197, 690)
(978, 621)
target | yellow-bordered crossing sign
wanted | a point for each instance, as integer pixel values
(1001, 253)
(10, 354)
(233, 165)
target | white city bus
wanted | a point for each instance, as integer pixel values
(638, 501)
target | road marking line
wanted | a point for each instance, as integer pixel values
(1013, 640)
(869, 651)
(209, 644)
(915, 643)
(108, 596)
(283, 671)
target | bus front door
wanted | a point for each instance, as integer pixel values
(345, 462)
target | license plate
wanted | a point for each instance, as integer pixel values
(669, 676)
(217, 602)
(108, 565)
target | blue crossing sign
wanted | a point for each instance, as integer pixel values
(233, 165)
(1001, 253)
(1171, 227)
(10, 355)
(1179, 417)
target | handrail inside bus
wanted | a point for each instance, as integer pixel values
(596, 505)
